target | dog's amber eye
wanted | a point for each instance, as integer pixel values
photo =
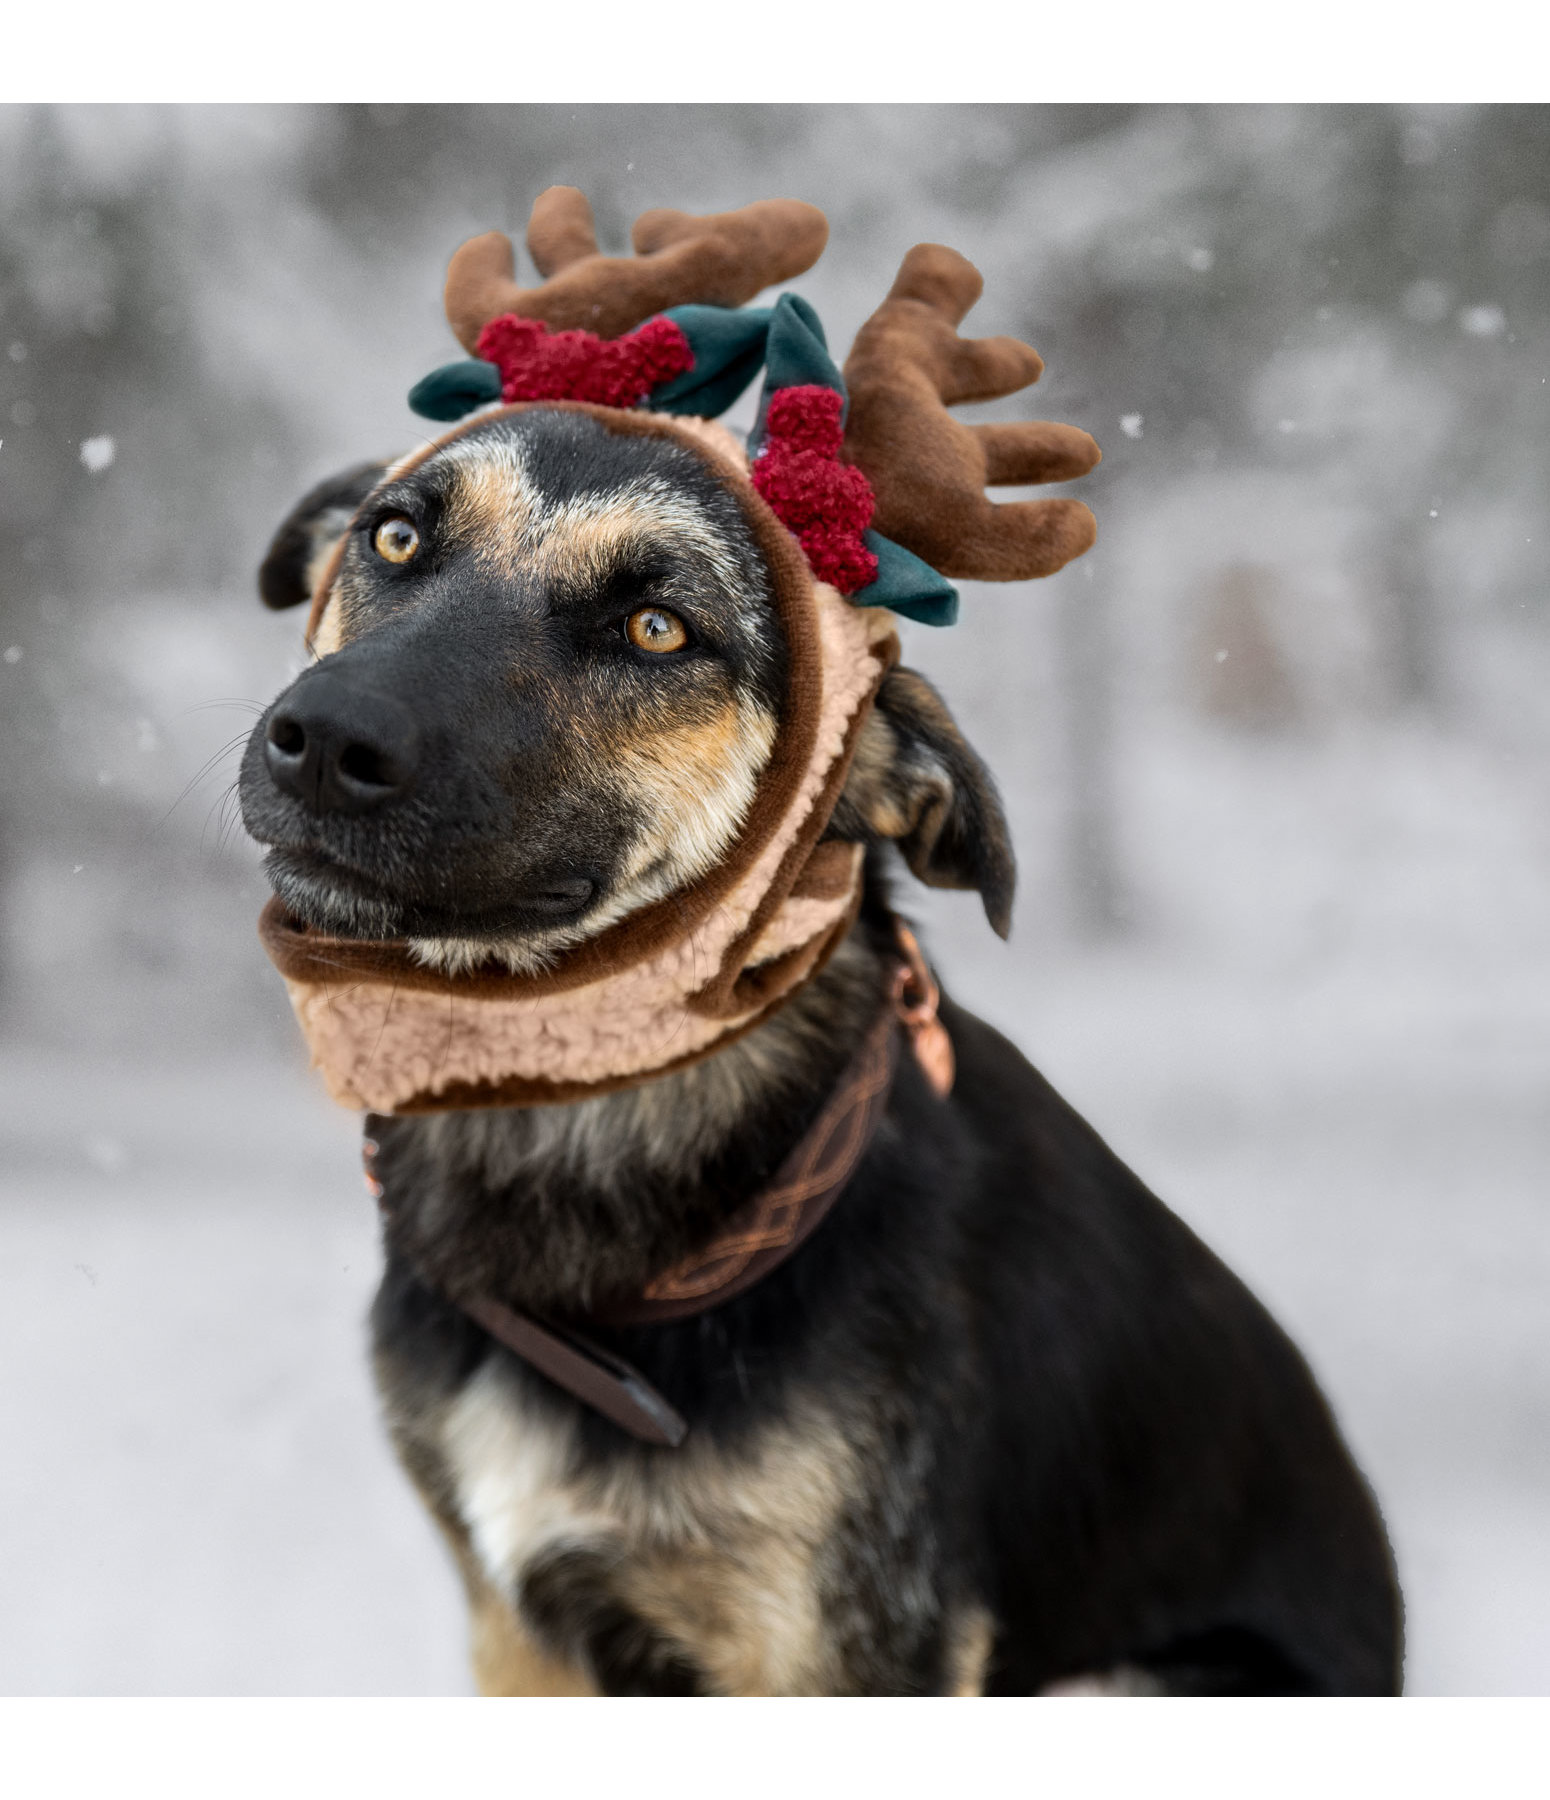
(395, 540)
(653, 629)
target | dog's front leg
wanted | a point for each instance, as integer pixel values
(507, 1661)
(569, 1598)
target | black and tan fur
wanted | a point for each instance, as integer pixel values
(1003, 1424)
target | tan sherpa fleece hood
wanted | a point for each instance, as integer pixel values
(668, 984)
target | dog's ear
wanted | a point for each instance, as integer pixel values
(297, 551)
(915, 780)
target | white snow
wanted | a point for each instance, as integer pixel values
(1130, 424)
(97, 453)
(197, 1496)
(1482, 321)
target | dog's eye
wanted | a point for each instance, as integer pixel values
(654, 629)
(395, 540)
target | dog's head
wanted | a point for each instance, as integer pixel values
(556, 663)
(552, 671)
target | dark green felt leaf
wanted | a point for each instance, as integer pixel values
(728, 347)
(455, 389)
(906, 585)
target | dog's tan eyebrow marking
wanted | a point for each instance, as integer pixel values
(579, 533)
(490, 511)
(695, 781)
(329, 635)
(593, 551)
(495, 510)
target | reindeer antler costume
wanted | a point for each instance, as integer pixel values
(860, 487)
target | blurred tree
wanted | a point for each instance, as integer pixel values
(111, 455)
(1239, 671)
(79, 288)
(1098, 890)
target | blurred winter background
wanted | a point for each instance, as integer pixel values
(1274, 753)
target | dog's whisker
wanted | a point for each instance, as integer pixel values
(217, 811)
(204, 769)
(231, 810)
(252, 706)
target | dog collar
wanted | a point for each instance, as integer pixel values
(753, 1243)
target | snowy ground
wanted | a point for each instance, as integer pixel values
(1340, 1082)
(196, 1498)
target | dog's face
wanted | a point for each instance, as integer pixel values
(549, 678)
(553, 673)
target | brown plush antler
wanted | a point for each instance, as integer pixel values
(722, 259)
(929, 472)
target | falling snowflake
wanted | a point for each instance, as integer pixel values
(1482, 321)
(1200, 260)
(1130, 424)
(97, 454)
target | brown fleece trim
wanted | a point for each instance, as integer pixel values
(720, 995)
(826, 874)
(303, 955)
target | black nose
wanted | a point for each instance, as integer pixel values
(340, 748)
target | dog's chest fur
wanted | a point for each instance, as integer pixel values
(721, 1555)
(791, 1544)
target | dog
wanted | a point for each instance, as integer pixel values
(999, 1423)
